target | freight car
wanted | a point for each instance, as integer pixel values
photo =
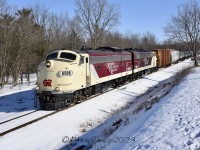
(163, 57)
(68, 77)
(166, 57)
(181, 55)
(174, 55)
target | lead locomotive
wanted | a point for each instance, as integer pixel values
(67, 77)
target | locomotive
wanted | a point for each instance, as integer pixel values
(67, 77)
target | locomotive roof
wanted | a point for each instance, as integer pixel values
(97, 51)
(138, 50)
(108, 50)
(101, 50)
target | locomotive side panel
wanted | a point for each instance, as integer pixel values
(143, 60)
(108, 66)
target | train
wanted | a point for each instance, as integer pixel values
(68, 77)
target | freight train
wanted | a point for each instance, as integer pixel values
(67, 77)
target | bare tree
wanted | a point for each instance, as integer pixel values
(57, 31)
(6, 30)
(96, 16)
(113, 39)
(148, 40)
(75, 34)
(185, 27)
(4, 8)
(132, 40)
(25, 39)
(41, 14)
(41, 18)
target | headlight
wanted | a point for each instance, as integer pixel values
(57, 88)
(48, 64)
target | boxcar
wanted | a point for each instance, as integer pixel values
(174, 55)
(163, 57)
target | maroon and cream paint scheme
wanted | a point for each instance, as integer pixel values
(58, 78)
(126, 63)
(105, 66)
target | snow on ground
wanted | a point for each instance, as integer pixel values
(9, 89)
(174, 123)
(18, 100)
(93, 117)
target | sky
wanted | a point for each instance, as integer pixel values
(137, 16)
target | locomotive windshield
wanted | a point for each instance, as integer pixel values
(52, 56)
(68, 56)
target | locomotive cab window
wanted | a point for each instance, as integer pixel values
(52, 56)
(68, 56)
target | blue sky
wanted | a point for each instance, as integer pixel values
(137, 16)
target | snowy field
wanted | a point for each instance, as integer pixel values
(18, 100)
(173, 123)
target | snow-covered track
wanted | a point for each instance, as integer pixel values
(18, 117)
(4, 132)
(28, 123)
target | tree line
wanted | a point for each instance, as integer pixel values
(28, 34)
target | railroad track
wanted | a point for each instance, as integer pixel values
(18, 117)
(50, 114)
(40, 118)
(28, 123)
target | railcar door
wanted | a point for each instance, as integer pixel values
(88, 79)
(84, 72)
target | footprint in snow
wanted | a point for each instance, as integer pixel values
(189, 142)
(195, 134)
(195, 146)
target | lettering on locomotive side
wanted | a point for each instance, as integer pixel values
(146, 61)
(112, 67)
(47, 82)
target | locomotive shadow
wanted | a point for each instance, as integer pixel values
(173, 72)
(89, 138)
(151, 79)
(17, 102)
(128, 93)
(110, 124)
(91, 135)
